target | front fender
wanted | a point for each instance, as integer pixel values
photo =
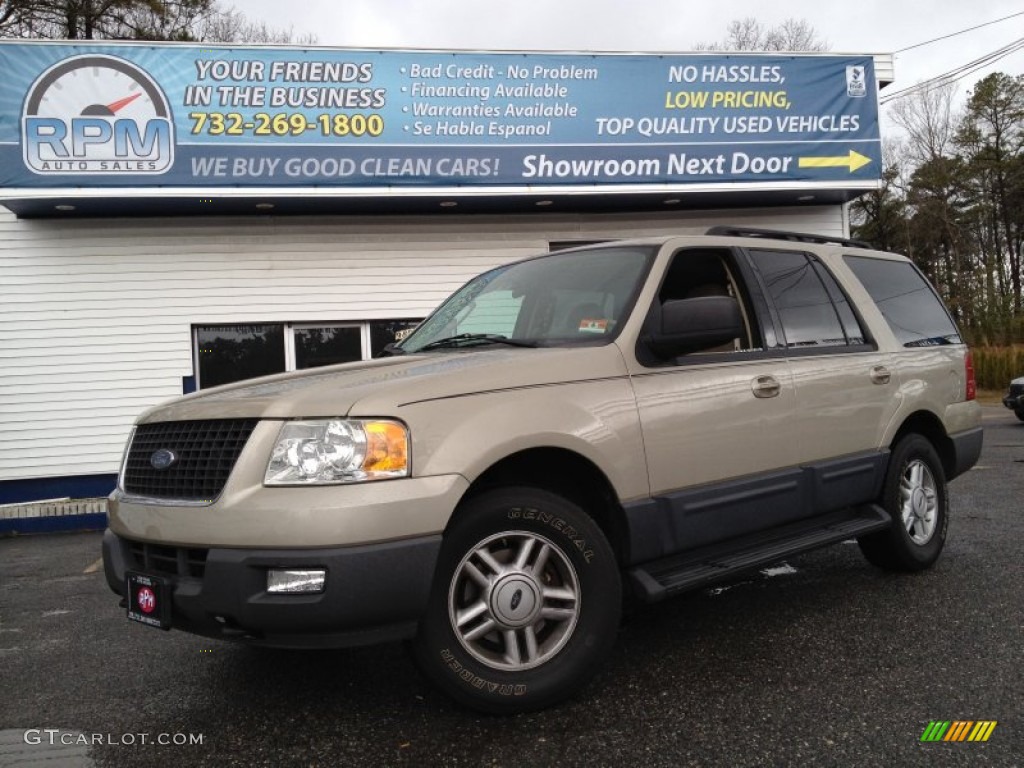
(596, 419)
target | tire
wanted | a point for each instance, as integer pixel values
(915, 495)
(1020, 413)
(507, 656)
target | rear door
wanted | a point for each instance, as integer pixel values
(845, 388)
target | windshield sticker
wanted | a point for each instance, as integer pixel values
(593, 325)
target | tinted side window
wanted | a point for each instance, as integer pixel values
(808, 316)
(907, 301)
(851, 325)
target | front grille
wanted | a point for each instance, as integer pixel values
(167, 561)
(204, 454)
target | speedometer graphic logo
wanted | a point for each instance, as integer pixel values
(97, 114)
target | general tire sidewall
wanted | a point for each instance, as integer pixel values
(441, 654)
(911, 449)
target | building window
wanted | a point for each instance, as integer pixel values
(384, 332)
(227, 353)
(317, 345)
(490, 312)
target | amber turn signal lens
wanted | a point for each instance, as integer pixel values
(387, 447)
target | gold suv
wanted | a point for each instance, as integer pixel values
(625, 420)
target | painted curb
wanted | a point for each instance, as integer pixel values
(53, 517)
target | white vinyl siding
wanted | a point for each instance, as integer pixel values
(96, 315)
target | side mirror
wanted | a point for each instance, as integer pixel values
(690, 325)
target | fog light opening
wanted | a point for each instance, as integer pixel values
(294, 581)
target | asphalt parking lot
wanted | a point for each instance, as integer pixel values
(824, 661)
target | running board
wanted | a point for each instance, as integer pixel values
(659, 579)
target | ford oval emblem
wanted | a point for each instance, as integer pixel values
(517, 598)
(163, 459)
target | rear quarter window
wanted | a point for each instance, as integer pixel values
(907, 301)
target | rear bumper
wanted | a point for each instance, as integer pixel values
(373, 593)
(966, 450)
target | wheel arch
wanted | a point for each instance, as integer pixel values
(567, 474)
(929, 426)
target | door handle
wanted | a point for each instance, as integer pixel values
(880, 375)
(765, 386)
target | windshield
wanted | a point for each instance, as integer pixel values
(577, 297)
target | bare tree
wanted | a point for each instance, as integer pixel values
(749, 34)
(100, 19)
(929, 119)
(202, 20)
(231, 26)
(11, 14)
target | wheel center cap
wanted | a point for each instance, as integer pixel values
(919, 502)
(515, 601)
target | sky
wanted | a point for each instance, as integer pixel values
(865, 26)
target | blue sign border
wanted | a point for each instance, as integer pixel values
(175, 116)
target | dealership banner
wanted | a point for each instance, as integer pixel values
(178, 116)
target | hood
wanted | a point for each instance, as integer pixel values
(380, 387)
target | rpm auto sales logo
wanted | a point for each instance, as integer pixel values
(147, 600)
(96, 114)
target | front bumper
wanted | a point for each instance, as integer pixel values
(373, 593)
(1014, 402)
(251, 516)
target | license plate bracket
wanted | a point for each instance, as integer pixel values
(149, 599)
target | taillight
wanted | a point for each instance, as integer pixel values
(972, 385)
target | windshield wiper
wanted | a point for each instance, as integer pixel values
(485, 338)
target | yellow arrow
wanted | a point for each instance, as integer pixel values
(854, 161)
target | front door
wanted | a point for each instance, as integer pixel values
(714, 421)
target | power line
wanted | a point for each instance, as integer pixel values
(958, 73)
(962, 31)
(948, 78)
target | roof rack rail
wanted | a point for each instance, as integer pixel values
(776, 234)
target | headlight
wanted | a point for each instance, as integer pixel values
(329, 451)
